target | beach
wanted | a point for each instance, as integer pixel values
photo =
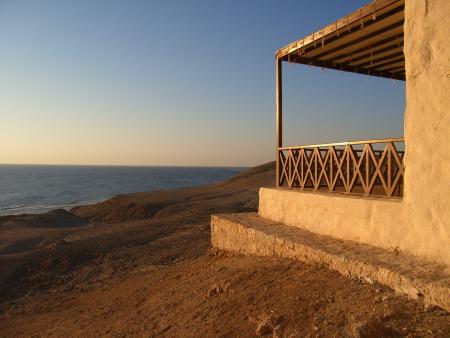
(141, 264)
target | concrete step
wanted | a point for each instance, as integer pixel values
(247, 233)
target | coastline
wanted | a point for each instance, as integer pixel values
(141, 264)
(22, 210)
(36, 189)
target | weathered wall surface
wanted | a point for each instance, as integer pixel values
(389, 224)
(427, 126)
(378, 222)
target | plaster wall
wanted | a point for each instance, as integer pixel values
(427, 126)
(420, 223)
(375, 221)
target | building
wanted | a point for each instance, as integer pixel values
(391, 194)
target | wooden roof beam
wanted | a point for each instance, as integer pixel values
(394, 66)
(373, 11)
(397, 70)
(385, 64)
(393, 39)
(370, 43)
(346, 68)
(375, 61)
(361, 39)
(372, 53)
(356, 30)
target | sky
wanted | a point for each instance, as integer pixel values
(174, 82)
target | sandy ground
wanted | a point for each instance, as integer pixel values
(141, 265)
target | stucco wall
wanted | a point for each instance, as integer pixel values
(420, 224)
(427, 126)
(375, 221)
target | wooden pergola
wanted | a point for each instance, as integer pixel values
(368, 41)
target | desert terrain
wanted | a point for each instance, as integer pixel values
(141, 265)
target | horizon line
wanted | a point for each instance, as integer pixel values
(124, 165)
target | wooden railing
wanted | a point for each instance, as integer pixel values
(373, 167)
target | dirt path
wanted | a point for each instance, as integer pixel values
(222, 296)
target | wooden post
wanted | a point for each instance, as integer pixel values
(279, 116)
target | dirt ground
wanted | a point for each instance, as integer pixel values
(143, 266)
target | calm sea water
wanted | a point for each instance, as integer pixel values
(39, 188)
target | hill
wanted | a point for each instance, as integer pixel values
(141, 265)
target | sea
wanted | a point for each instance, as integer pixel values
(40, 188)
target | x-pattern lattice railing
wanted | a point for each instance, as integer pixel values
(373, 167)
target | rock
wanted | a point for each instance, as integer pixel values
(214, 290)
(71, 239)
(218, 289)
(368, 280)
(372, 328)
(226, 287)
(269, 324)
(278, 331)
(263, 329)
(360, 329)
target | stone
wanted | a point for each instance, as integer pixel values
(263, 329)
(278, 331)
(248, 233)
(360, 329)
(218, 289)
(269, 324)
(71, 239)
(214, 290)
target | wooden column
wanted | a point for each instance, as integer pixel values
(279, 116)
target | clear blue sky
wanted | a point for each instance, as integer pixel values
(174, 82)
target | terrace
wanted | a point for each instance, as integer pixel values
(315, 213)
(368, 41)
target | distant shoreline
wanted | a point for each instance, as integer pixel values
(37, 189)
(123, 166)
(36, 210)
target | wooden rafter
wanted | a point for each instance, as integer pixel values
(365, 42)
